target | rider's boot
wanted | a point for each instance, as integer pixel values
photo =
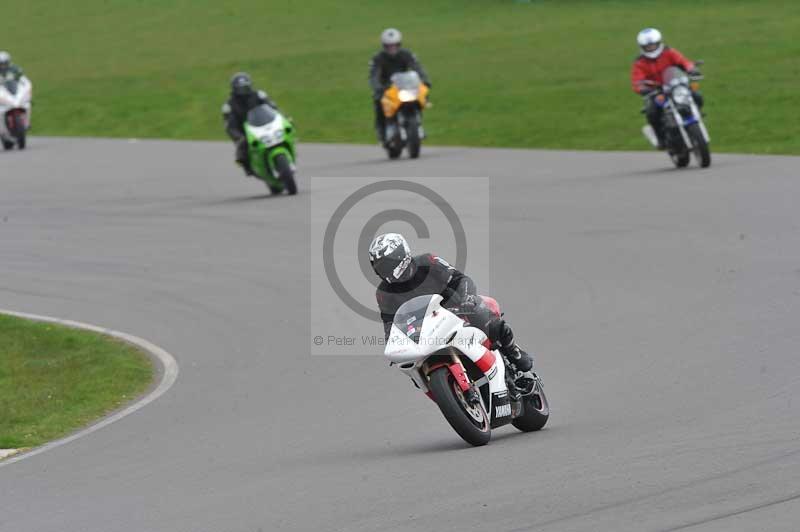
(660, 136)
(521, 360)
(380, 133)
(246, 168)
(241, 156)
(521, 364)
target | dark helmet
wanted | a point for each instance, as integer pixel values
(391, 258)
(241, 84)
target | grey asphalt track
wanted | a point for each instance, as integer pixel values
(664, 307)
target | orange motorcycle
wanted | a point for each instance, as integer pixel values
(403, 103)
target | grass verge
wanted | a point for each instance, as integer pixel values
(519, 73)
(54, 380)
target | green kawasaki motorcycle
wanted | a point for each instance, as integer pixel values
(271, 148)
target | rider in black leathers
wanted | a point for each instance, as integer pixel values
(405, 277)
(242, 99)
(390, 60)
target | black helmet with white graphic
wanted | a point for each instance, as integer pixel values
(391, 258)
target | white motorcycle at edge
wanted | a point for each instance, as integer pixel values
(15, 112)
(453, 364)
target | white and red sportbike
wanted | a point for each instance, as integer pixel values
(15, 111)
(455, 365)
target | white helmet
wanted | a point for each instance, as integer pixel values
(390, 37)
(5, 60)
(649, 40)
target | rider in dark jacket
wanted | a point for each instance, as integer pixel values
(390, 60)
(405, 277)
(242, 99)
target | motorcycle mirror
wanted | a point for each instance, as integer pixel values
(699, 62)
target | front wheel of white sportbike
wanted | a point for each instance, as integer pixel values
(470, 421)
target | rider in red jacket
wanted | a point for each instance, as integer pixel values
(648, 68)
(645, 68)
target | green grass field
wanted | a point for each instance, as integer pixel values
(526, 73)
(54, 380)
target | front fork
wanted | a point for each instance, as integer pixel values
(699, 116)
(459, 372)
(272, 154)
(397, 126)
(678, 118)
(679, 121)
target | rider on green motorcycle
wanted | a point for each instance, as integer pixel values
(243, 98)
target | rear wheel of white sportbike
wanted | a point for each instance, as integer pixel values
(700, 150)
(412, 132)
(535, 410)
(283, 167)
(470, 421)
(8, 144)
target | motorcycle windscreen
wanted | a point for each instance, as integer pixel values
(674, 76)
(406, 80)
(260, 116)
(409, 317)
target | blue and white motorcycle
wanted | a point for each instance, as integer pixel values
(685, 132)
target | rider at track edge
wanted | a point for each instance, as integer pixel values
(405, 277)
(243, 98)
(8, 70)
(391, 59)
(646, 75)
